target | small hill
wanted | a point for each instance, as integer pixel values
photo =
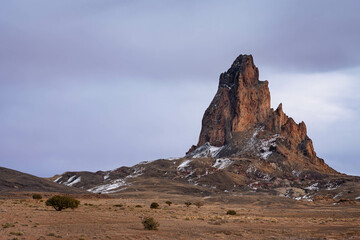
(15, 181)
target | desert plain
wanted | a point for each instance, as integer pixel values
(258, 216)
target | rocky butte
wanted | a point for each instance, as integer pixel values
(244, 146)
(240, 123)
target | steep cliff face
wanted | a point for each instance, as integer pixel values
(240, 122)
(240, 102)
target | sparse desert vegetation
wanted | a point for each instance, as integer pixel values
(36, 196)
(258, 216)
(231, 212)
(150, 223)
(154, 205)
(62, 202)
(7, 225)
(199, 204)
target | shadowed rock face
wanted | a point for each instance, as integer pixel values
(240, 102)
(241, 121)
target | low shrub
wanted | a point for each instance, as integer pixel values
(16, 233)
(154, 205)
(7, 225)
(168, 203)
(188, 204)
(36, 196)
(118, 205)
(231, 212)
(138, 206)
(199, 204)
(62, 202)
(150, 223)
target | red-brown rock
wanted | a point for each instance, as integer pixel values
(241, 121)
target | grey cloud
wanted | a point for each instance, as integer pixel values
(166, 39)
(125, 81)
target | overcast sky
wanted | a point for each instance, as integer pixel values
(98, 84)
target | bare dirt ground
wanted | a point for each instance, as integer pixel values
(259, 216)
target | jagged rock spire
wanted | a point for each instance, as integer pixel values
(240, 102)
(241, 122)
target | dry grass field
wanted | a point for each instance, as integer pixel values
(258, 216)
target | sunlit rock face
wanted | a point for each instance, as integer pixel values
(240, 102)
(241, 122)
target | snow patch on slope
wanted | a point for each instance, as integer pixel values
(58, 179)
(136, 172)
(71, 181)
(77, 180)
(222, 163)
(306, 197)
(108, 188)
(251, 169)
(205, 151)
(183, 165)
(313, 187)
(261, 147)
(265, 146)
(296, 173)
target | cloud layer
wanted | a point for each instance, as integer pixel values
(89, 85)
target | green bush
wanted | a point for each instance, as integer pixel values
(36, 196)
(150, 223)
(138, 206)
(188, 204)
(118, 205)
(154, 205)
(62, 202)
(168, 203)
(231, 212)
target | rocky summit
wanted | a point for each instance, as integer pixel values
(245, 146)
(240, 123)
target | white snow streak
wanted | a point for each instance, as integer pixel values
(107, 188)
(58, 179)
(74, 182)
(222, 163)
(183, 165)
(70, 179)
(206, 150)
(313, 187)
(265, 146)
